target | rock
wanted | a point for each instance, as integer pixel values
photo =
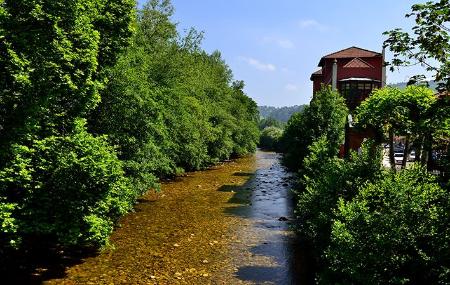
(283, 219)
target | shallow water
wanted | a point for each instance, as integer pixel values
(226, 225)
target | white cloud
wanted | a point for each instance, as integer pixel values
(258, 64)
(291, 87)
(313, 24)
(283, 43)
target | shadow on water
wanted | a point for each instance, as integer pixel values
(259, 274)
(266, 200)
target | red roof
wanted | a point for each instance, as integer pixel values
(358, 63)
(351, 52)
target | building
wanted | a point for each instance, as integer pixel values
(354, 72)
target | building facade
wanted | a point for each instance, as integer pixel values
(354, 72)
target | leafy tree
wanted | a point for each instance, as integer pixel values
(270, 138)
(395, 231)
(325, 116)
(53, 54)
(170, 106)
(429, 42)
(410, 112)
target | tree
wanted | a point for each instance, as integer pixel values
(270, 137)
(325, 116)
(170, 106)
(56, 179)
(403, 112)
(53, 54)
(395, 231)
(428, 45)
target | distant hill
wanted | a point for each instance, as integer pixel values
(432, 84)
(281, 114)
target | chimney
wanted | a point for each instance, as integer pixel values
(334, 76)
(383, 68)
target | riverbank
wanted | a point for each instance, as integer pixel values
(225, 225)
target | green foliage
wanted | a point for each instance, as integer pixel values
(270, 122)
(414, 112)
(402, 109)
(281, 114)
(325, 116)
(170, 106)
(428, 43)
(395, 231)
(52, 54)
(327, 179)
(70, 187)
(270, 138)
(156, 105)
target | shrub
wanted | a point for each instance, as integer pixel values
(69, 187)
(395, 231)
(326, 179)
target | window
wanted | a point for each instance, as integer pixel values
(356, 91)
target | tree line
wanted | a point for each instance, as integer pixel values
(98, 100)
(368, 224)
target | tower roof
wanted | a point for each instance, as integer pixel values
(351, 52)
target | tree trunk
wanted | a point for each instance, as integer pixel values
(406, 152)
(427, 150)
(391, 148)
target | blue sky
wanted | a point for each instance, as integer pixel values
(274, 46)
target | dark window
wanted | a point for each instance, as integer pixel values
(356, 91)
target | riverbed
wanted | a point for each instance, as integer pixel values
(226, 225)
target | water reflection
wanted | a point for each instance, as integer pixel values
(276, 255)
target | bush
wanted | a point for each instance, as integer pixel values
(69, 188)
(326, 179)
(270, 138)
(395, 231)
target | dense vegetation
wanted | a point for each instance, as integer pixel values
(272, 124)
(368, 224)
(352, 209)
(96, 103)
(324, 117)
(282, 114)
(270, 138)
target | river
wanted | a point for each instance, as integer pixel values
(226, 225)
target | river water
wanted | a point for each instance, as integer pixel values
(226, 225)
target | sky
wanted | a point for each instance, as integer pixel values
(274, 46)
